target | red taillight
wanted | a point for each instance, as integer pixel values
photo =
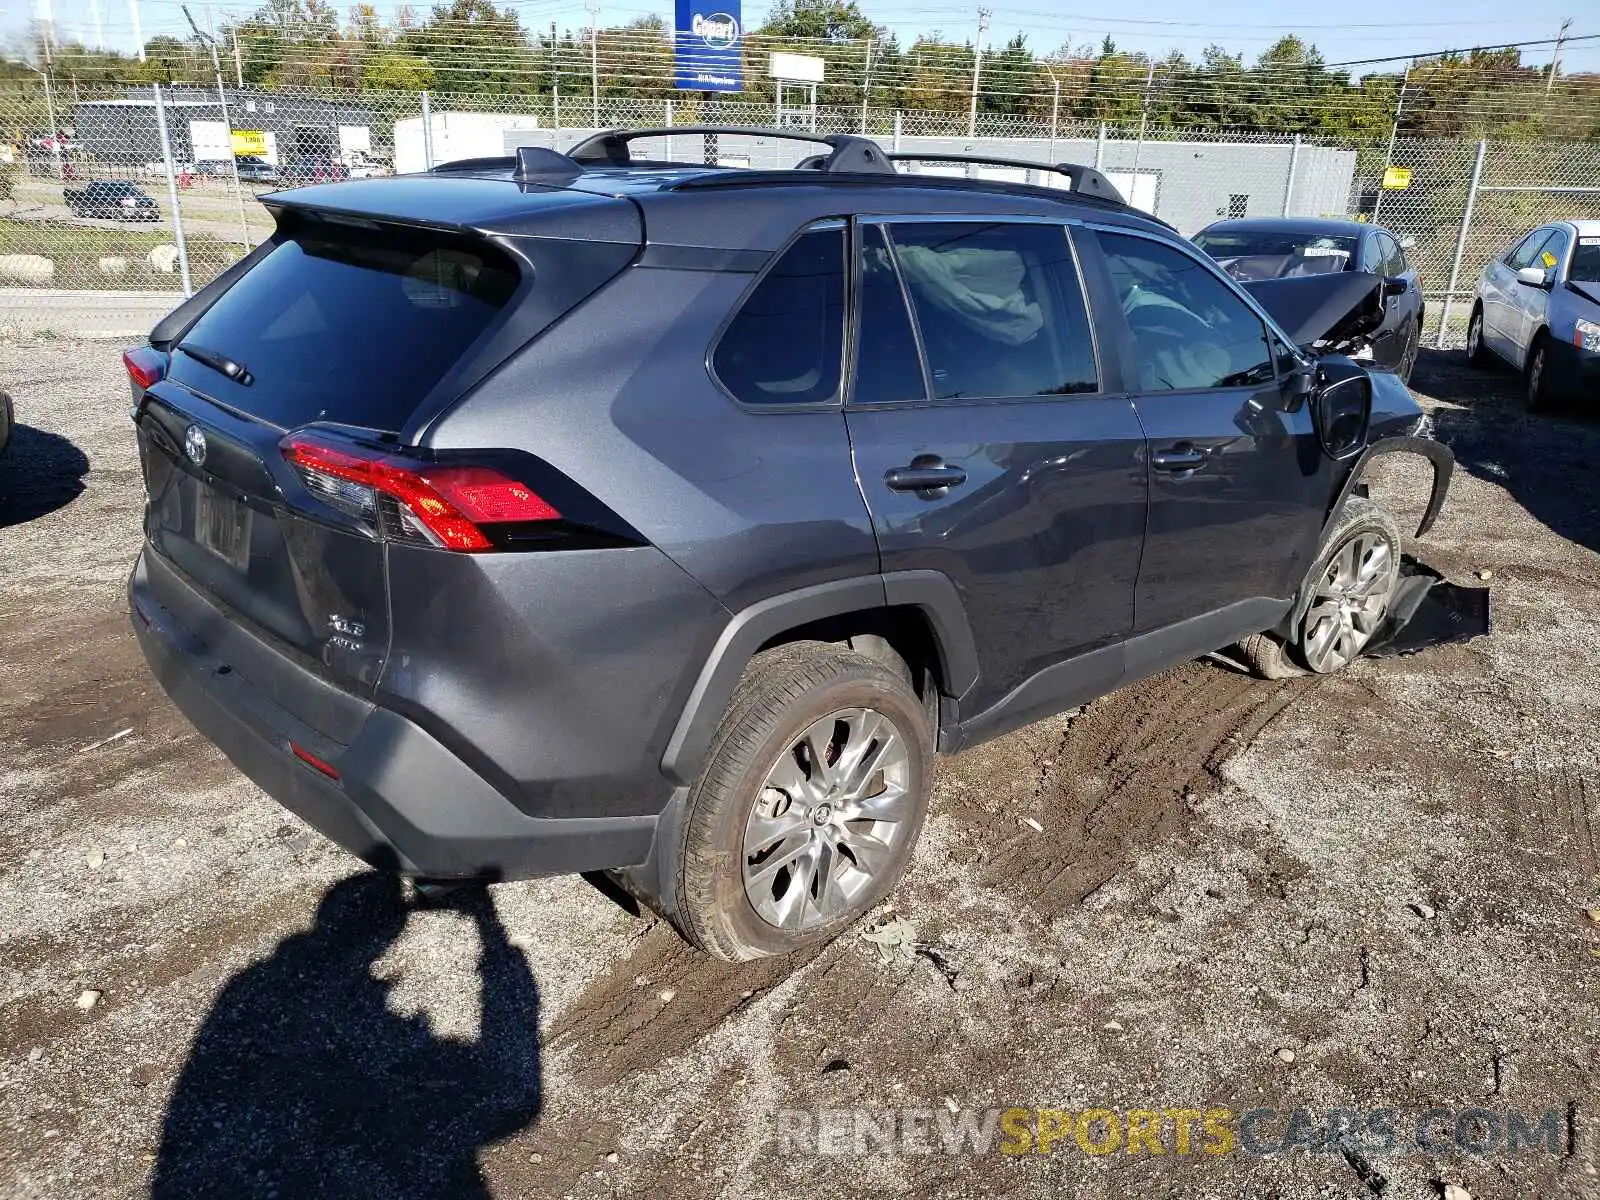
(450, 502)
(312, 761)
(146, 366)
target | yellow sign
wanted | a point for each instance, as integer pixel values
(1396, 178)
(253, 141)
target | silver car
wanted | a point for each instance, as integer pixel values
(1538, 309)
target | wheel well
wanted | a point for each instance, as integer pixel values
(898, 636)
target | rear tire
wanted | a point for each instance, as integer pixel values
(1268, 657)
(1478, 355)
(811, 800)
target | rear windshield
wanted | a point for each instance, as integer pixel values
(1272, 255)
(348, 325)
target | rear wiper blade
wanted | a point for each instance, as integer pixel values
(219, 361)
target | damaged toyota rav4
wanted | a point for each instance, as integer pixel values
(598, 511)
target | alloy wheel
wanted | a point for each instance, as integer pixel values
(1535, 377)
(828, 819)
(1474, 335)
(1349, 602)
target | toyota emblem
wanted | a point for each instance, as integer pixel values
(194, 445)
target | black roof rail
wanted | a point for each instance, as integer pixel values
(858, 155)
(1085, 180)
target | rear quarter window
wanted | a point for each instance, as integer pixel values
(349, 325)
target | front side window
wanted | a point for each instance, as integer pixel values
(1554, 250)
(786, 344)
(1000, 308)
(1394, 258)
(1189, 329)
(1527, 250)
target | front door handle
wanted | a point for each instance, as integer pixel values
(1182, 457)
(926, 473)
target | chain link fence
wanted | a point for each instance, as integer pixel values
(151, 192)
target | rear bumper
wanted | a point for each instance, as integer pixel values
(402, 799)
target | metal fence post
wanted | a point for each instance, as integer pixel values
(427, 134)
(172, 191)
(1461, 242)
(1294, 165)
(1100, 149)
(898, 127)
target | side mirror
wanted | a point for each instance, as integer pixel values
(1534, 277)
(1394, 287)
(1341, 407)
(1298, 385)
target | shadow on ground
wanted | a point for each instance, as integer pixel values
(1534, 457)
(40, 473)
(303, 1082)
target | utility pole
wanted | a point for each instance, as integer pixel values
(227, 125)
(555, 79)
(238, 63)
(866, 88)
(138, 30)
(1394, 132)
(1555, 57)
(977, 68)
(594, 57)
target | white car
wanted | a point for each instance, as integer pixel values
(1538, 309)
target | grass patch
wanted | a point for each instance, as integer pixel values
(77, 250)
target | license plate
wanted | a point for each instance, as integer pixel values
(222, 526)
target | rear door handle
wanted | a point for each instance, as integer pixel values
(1182, 457)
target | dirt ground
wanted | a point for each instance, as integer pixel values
(1384, 872)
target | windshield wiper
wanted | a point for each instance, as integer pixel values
(219, 361)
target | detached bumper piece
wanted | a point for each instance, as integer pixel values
(1427, 610)
(391, 793)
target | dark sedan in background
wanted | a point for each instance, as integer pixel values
(1263, 248)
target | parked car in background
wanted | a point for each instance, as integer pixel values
(256, 170)
(1262, 248)
(363, 166)
(158, 168)
(302, 169)
(112, 199)
(216, 168)
(1538, 309)
(430, 559)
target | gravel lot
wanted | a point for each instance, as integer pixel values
(1384, 872)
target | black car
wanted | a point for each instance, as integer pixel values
(561, 513)
(1260, 249)
(112, 199)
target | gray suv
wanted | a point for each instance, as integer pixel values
(578, 512)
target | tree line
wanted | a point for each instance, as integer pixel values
(478, 51)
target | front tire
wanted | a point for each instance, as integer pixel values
(812, 797)
(1408, 357)
(1345, 597)
(1477, 353)
(1536, 376)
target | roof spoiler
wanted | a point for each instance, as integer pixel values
(1084, 180)
(848, 153)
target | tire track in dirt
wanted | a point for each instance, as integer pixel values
(1115, 784)
(1124, 776)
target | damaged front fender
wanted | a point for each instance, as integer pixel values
(1439, 456)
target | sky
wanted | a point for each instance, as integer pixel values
(1366, 28)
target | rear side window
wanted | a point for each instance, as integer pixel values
(786, 344)
(1189, 329)
(888, 367)
(1000, 308)
(349, 325)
